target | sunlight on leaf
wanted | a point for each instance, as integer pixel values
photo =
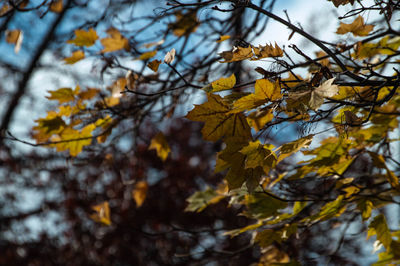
(102, 214)
(160, 144)
(139, 193)
(116, 41)
(84, 38)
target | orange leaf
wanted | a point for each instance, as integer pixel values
(102, 214)
(139, 193)
(357, 27)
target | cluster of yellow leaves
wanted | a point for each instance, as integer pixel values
(251, 52)
(63, 129)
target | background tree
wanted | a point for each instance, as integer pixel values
(111, 201)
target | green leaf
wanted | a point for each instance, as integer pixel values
(262, 206)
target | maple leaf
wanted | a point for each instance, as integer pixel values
(114, 42)
(238, 54)
(139, 192)
(265, 91)
(75, 57)
(88, 94)
(219, 122)
(258, 155)
(15, 37)
(357, 27)
(62, 95)
(267, 51)
(160, 144)
(73, 140)
(325, 90)
(258, 119)
(223, 84)
(102, 214)
(153, 65)
(84, 38)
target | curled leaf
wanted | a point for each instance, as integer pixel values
(170, 56)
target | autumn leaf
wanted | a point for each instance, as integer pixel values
(292, 147)
(15, 37)
(56, 6)
(265, 91)
(147, 55)
(73, 140)
(62, 95)
(258, 155)
(84, 38)
(153, 65)
(219, 122)
(326, 89)
(184, 24)
(201, 199)
(238, 54)
(139, 193)
(88, 94)
(160, 144)
(75, 57)
(223, 84)
(267, 51)
(102, 214)
(341, 2)
(379, 227)
(223, 38)
(258, 119)
(357, 27)
(170, 56)
(114, 42)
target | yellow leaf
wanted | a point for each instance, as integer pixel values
(184, 24)
(75, 57)
(258, 119)
(115, 42)
(139, 192)
(357, 27)
(102, 214)
(73, 140)
(292, 147)
(15, 37)
(223, 84)
(153, 65)
(89, 93)
(84, 38)
(56, 6)
(147, 55)
(238, 54)
(223, 38)
(267, 51)
(379, 227)
(265, 91)
(160, 144)
(62, 95)
(219, 122)
(257, 155)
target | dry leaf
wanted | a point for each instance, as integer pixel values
(170, 56)
(357, 27)
(15, 37)
(139, 193)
